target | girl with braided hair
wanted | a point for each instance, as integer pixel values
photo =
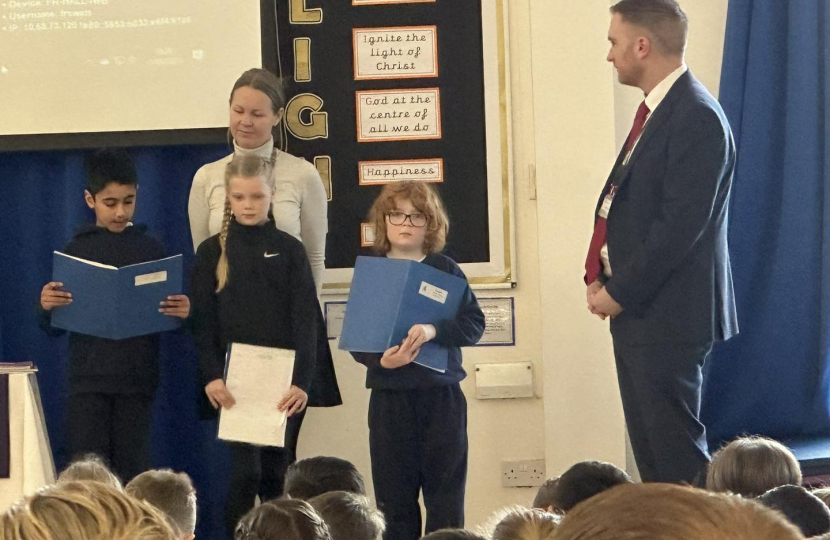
(253, 284)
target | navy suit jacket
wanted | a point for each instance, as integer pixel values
(667, 226)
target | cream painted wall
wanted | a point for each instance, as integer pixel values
(565, 109)
(573, 100)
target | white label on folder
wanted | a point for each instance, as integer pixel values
(432, 292)
(155, 277)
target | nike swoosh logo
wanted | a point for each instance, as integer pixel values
(269, 255)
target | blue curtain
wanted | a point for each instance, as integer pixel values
(773, 378)
(40, 207)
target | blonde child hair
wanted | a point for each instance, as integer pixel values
(245, 166)
(672, 512)
(89, 467)
(751, 466)
(526, 524)
(83, 511)
(425, 198)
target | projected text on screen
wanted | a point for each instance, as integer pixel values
(81, 66)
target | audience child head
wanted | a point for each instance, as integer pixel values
(751, 466)
(544, 497)
(452, 534)
(672, 512)
(349, 516)
(584, 480)
(409, 217)
(800, 507)
(823, 493)
(89, 467)
(282, 519)
(314, 476)
(111, 187)
(526, 524)
(172, 493)
(83, 510)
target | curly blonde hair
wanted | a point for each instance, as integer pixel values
(83, 510)
(425, 198)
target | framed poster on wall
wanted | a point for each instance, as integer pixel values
(385, 92)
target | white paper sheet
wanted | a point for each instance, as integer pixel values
(258, 378)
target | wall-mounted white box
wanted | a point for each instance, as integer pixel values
(504, 380)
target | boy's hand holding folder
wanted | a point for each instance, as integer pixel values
(115, 303)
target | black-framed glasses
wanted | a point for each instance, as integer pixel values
(399, 218)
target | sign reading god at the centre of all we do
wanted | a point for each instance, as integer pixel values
(398, 115)
(402, 52)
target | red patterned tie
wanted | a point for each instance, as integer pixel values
(593, 263)
(637, 128)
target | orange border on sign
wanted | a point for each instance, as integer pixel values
(356, 31)
(437, 91)
(363, 241)
(362, 182)
(377, 2)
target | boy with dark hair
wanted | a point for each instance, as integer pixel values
(584, 480)
(111, 382)
(349, 516)
(171, 493)
(544, 497)
(314, 476)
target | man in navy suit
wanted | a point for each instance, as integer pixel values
(658, 263)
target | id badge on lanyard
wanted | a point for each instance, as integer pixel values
(606, 202)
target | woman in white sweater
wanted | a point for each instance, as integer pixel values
(257, 105)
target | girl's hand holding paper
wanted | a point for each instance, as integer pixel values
(219, 395)
(294, 401)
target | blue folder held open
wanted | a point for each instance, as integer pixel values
(389, 296)
(116, 303)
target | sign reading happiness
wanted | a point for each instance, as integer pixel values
(403, 52)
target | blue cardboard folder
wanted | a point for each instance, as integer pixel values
(389, 296)
(116, 303)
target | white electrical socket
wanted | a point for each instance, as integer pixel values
(523, 473)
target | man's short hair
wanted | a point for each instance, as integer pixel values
(349, 516)
(665, 22)
(584, 480)
(314, 476)
(172, 493)
(800, 507)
